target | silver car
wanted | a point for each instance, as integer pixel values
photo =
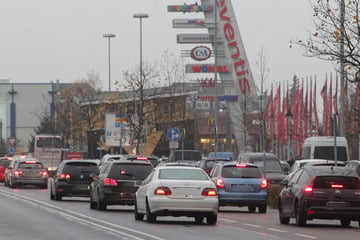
(177, 191)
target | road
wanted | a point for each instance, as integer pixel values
(28, 213)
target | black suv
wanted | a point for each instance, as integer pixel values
(321, 192)
(117, 183)
(72, 178)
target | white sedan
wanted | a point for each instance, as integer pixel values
(177, 191)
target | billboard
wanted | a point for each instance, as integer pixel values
(116, 129)
(196, 38)
(193, 23)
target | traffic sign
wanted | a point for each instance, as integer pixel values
(11, 150)
(173, 134)
(12, 141)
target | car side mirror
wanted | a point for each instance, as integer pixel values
(284, 182)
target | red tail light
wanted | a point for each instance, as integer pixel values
(18, 172)
(44, 173)
(220, 183)
(142, 158)
(162, 191)
(110, 182)
(241, 165)
(209, 192)
(308, 189)
(263, 184)
(64, 176)
(337, 186)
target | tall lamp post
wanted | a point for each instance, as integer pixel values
(141, 16)
(109, 36)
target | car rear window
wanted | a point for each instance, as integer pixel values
(76, 168)
(128, 171)
(328, 153)
(241, 172)
(4, 163)
(190, 156)
(26, 165)
(268, 165)
(341, 182)
(183, 174)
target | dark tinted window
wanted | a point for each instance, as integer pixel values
(4, 162)
(188, 155)
(128, 171)
(30, 165)
(183, 174)
(75, 168)
(241, 172)
(328, 153)
(328, 181)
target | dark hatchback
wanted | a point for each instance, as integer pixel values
(118, 182)
(207, 164)
(72, 178)
(321, 192)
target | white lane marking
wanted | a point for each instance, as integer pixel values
(252, 225)
(305, 236)
(228, 220)
(62, 211)
(277, 230)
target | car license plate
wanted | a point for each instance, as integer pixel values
(241, 188)
(334, 204)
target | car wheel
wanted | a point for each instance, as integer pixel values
(100, 204)
(138, 216)
(211, 219)
(283, 220)
(345, 222)
(57, 196)
(11, 184)
(199, 219)
(300, 215)
(251, 209)
(52, 197)
(262, 208)
(149, 216)
(6, 183)
(92, 203)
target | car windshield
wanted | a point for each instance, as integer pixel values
(241, 172)
(183, 174)
(124, 171)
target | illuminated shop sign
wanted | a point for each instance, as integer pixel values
(190, 8)
(206, 68)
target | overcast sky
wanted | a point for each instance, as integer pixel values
(46, 40)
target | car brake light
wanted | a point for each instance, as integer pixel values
(241, 165)
(30, 162)
(110, 182)
(220, 183)
(337, 186)
(142, 158)
(308, 189)
(18, 172)
(44, 173)
(162, 191)
(64, 176)
(209, 192)
(263, 184)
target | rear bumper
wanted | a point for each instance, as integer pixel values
(30, 181)
(350, 213)
(76, 190)
(242, 199)
(183, 207)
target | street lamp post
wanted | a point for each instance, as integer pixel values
(109, 36)
(141, 16)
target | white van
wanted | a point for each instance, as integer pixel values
(323, 148)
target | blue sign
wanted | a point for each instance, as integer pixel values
(11, 150)
(173, 134)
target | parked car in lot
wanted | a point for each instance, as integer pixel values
(269, 164)
(26, 171)
(240, 185)
(117, 183)
(207, 164)
(171, 190)
(4, 163)
(320, 192)
(72, 178)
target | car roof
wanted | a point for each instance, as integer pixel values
(330, 170)
(81, 160)
(253, 155)
(131, 161)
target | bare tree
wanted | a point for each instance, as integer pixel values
(332, 29)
